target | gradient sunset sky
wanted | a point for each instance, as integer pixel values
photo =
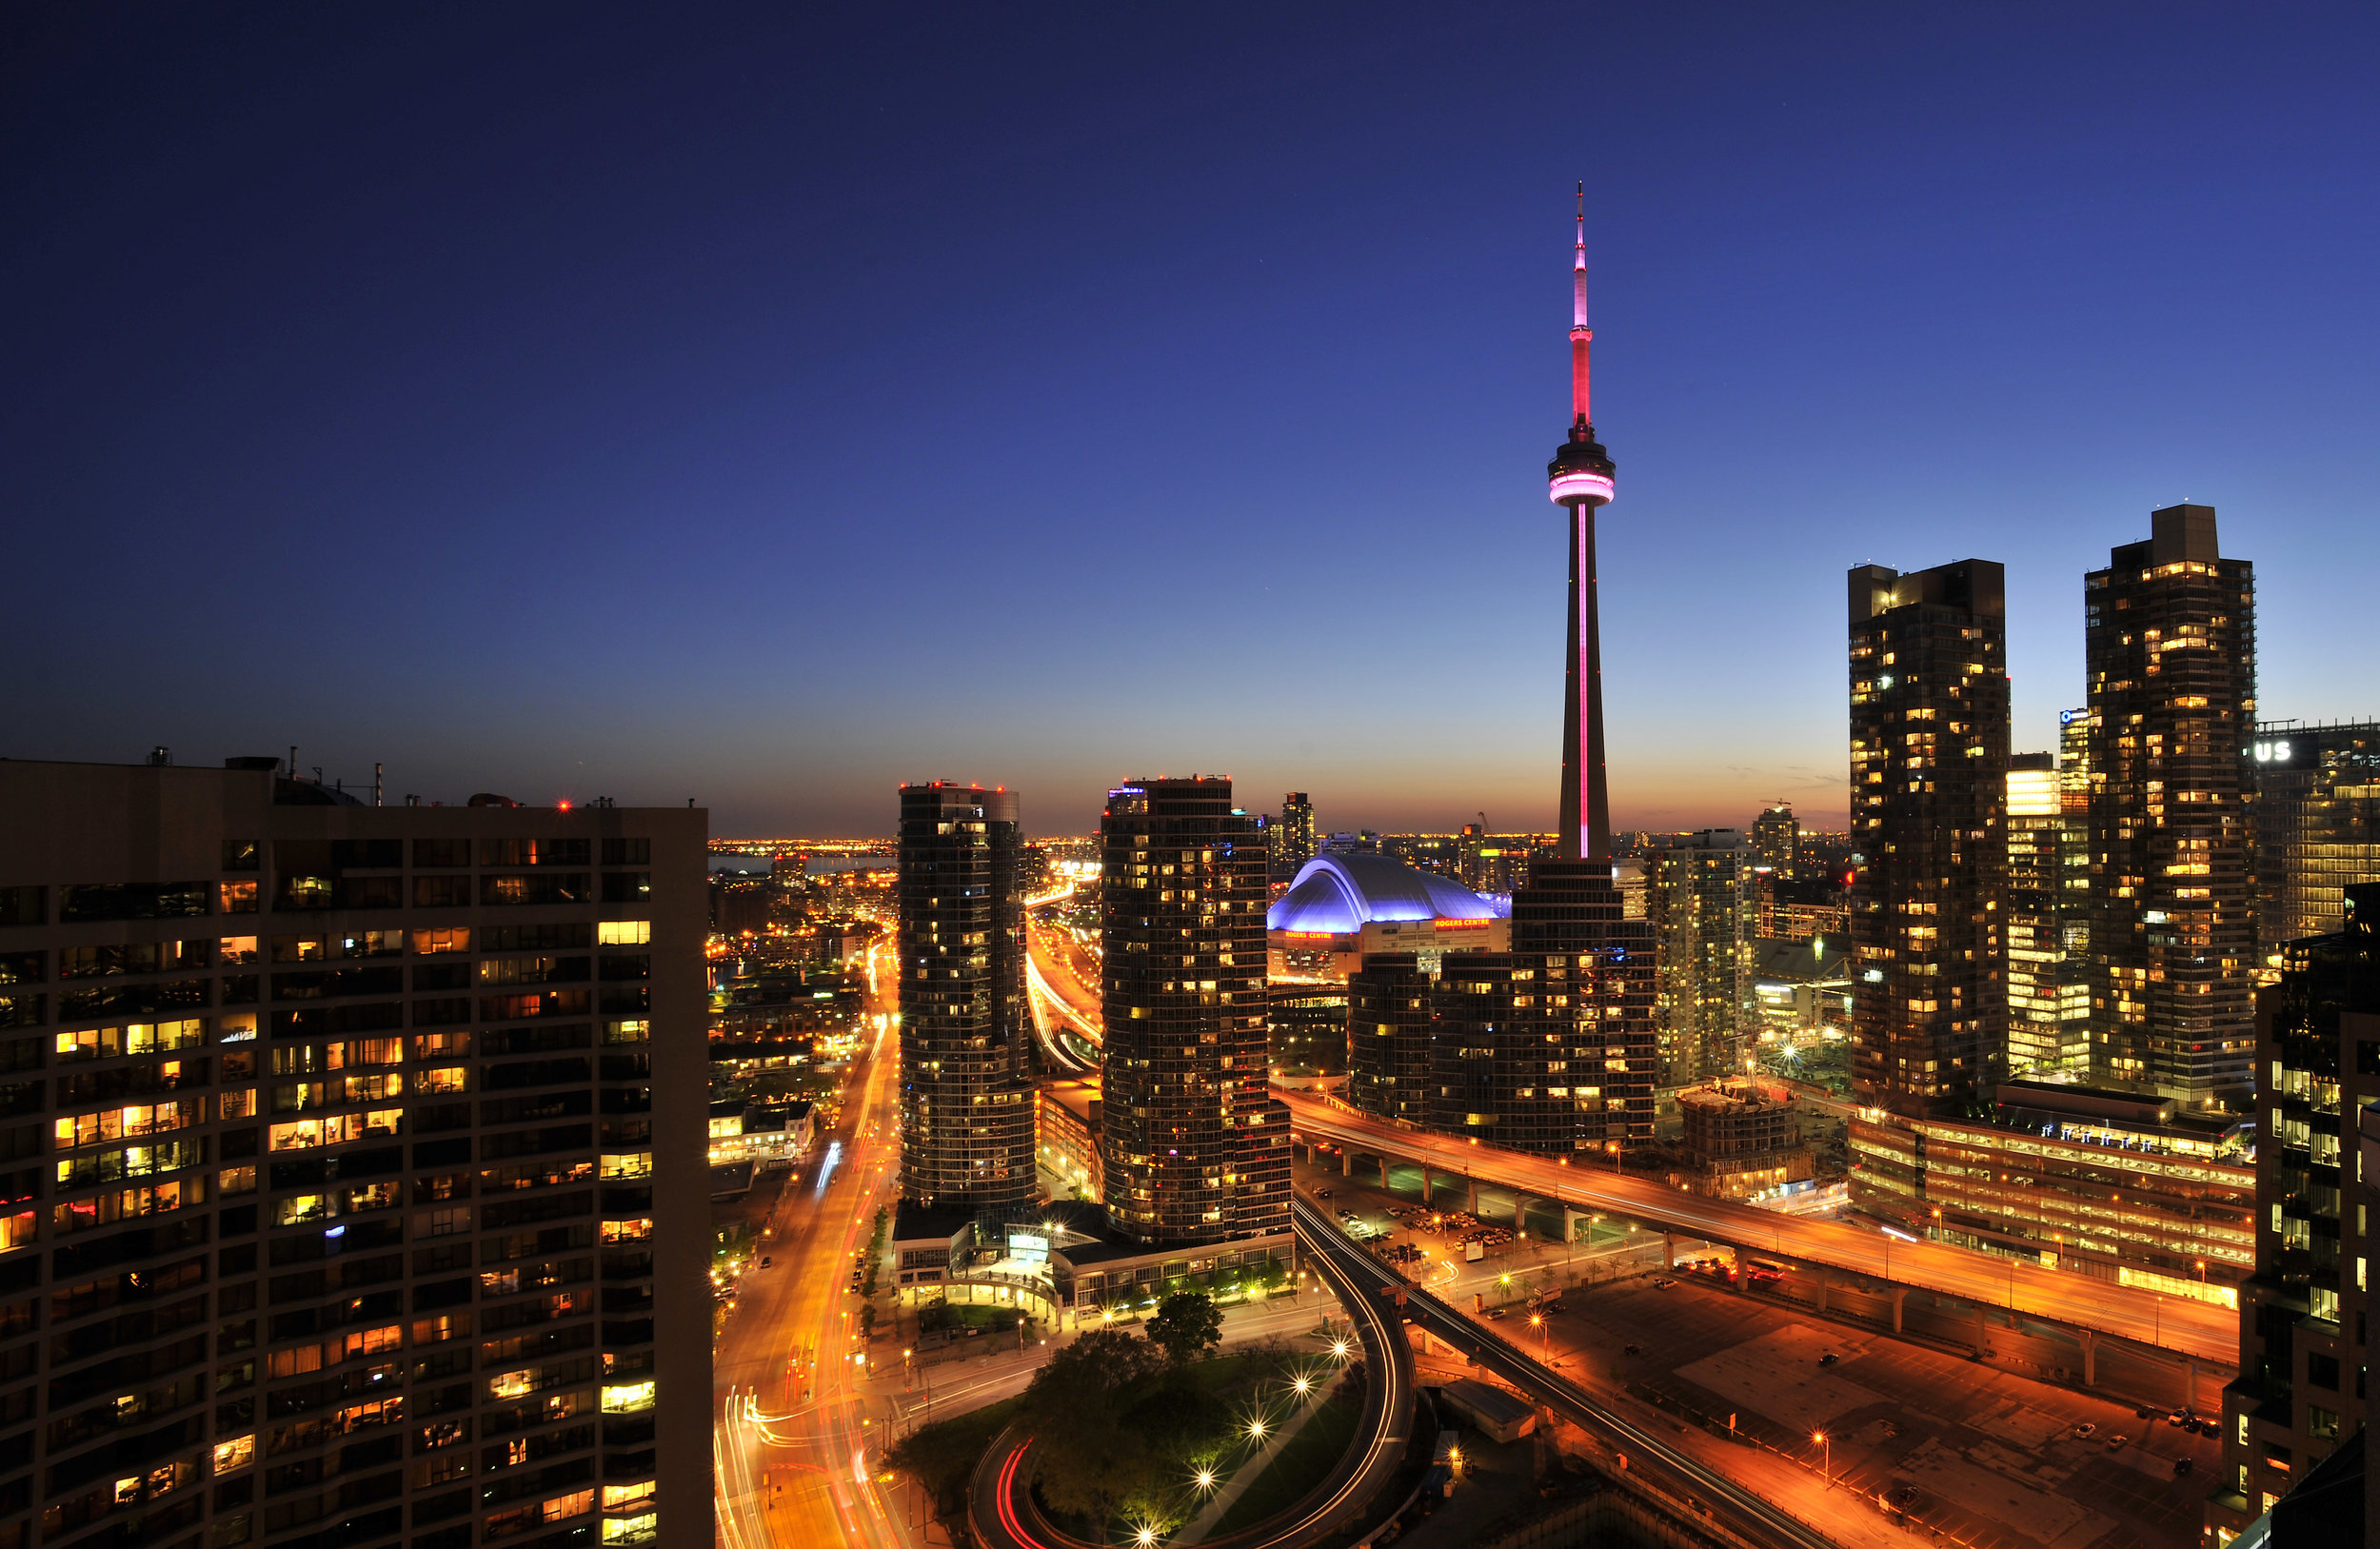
(770, 406)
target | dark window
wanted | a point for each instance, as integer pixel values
(23, 905)
(442, 892)
(95, 961)
(536, 938)
(368, 854)
(20, 969)
(430, 853)
(240, 855)
(628, 886)
(627, 852)
(371, 892)
(91, 902)
(2322, 1371)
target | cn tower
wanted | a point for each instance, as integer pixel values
(1579, 479)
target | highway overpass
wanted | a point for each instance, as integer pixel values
(2090, 1307)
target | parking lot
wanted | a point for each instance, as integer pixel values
(1983, 1455)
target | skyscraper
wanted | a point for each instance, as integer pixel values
(2170, 649)
(2049, 997)
(2303, 1313)
(2317, 826)
(1193, 1147)
(1698, 896)
(1776, 838)
(360, 1180)
(1929, 772)
(1389, 1036)
(966, 1077)
(1291, 841)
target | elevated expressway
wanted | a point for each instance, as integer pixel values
(1065, 1011)
(2091, 1306)
(1750, 1516)
(1005, 1516)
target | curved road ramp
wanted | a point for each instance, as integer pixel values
(1005, 1516)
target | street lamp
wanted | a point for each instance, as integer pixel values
(1826, 1471)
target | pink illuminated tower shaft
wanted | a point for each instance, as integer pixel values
(1579, 479)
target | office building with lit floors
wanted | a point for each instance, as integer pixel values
(1389, 1035)
(2170, 649)
(967, 1035)
(2049, 990)
(1776, 838)
(2304, 1327)
(1194, 1149)
(1929, 771)
(357, 1190)
(1698, 891)
(2316, 808)
(1595, 969)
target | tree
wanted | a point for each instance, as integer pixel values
(1187, 1325)
(1087, 1459)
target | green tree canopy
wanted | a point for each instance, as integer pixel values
(1087, 1460)
(1187, 1325)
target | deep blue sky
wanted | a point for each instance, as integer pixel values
(767, 408)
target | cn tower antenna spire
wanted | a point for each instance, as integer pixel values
(1582, 407)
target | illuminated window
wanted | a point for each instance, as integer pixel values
(625, 1231)
(623, 933)
(237, 1453)
(630, 1165)
(623, 1497)
(626, 1397)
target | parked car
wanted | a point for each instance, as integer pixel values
(1322, 1194)
(2183, 1465)
(2086, 1430)
(1829, 1359)
(1495, 1314)
(2117, 1441)
(763, 1260)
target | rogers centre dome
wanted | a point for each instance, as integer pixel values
(1338, 895)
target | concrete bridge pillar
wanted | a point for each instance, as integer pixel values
(1899, 1295)
(2090, 1339)
(1669, 1250)
(1979, 1312)
(1825, 1279)
(1346, 1163)
(1471, 1195)
(1383, 1172)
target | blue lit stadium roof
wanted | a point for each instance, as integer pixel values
(1338, 894)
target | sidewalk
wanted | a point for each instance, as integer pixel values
(1251, 1470)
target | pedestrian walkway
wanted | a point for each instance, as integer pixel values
(1251, 1470)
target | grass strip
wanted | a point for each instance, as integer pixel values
(1311, 1454)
